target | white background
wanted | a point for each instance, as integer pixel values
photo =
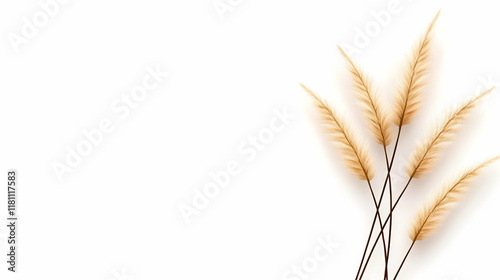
(116, 215)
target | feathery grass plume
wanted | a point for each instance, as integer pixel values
(431, 215)
(425, 155)
(375, 115)
(355, 156)
(410, 88)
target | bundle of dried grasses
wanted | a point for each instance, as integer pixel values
(380, 120)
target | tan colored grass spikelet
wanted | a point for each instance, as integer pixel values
(431, 214)
(377, 118)
(355, 155)
(410, 88)
(425, 155)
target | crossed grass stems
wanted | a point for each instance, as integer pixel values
(380, 120)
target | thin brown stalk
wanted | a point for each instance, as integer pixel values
(376, 116)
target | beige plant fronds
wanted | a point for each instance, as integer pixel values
(410, 88)
(376, 116)
(422, 159)
(425, 155)
(355, 155)
(432, 213)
